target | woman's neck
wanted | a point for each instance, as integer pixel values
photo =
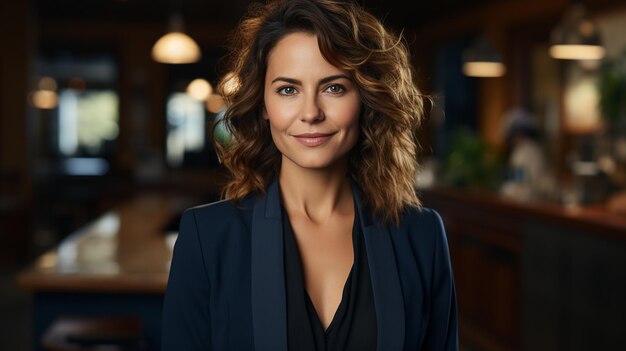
(316, 194)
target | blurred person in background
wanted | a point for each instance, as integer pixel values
(528, 174)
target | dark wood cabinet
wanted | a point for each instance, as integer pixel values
(534, 276)
(485, 253)
(575, 285)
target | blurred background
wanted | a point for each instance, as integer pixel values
(106, 113)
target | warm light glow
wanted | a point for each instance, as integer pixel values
(199, 89)
(577, 52)
(47, 83)
(231, 83)
(48, 260)
(44, 99)
(484, 69)
(581, 106)
(214, 103)
(176, 48)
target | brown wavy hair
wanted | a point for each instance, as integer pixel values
(384, 160)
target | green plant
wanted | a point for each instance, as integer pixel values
(612, 89)
(471, 162)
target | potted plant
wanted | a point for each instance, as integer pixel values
(612, 91)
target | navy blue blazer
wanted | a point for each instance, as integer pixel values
(226, 289)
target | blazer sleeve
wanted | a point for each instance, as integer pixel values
(186, 323)
(442, 332)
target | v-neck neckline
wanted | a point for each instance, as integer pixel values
(342, 307)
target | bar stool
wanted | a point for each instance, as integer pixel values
(74, 333)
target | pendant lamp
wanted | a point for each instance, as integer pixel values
(176, 47)
(199, 89)
(482, 59)
(576, 37)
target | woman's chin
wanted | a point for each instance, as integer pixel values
(314, 164)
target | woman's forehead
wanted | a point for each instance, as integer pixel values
(298, 55)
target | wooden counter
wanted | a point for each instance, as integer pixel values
(535, 276)
(125, 250)
(117, 266)
(594, 218)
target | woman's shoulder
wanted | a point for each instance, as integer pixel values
(422, 216)
(423, 230)
(422, 224)
(221, 210)
(219, 219)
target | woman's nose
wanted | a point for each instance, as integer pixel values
(311, 111)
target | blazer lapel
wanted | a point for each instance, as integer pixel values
(388, 300)
(269, 315)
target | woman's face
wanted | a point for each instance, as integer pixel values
(312, 106)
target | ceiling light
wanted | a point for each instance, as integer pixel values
(44, 99)
(482, 60)
(199, 89)
(176, 47)
(576, 37)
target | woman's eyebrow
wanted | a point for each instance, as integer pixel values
(331, 78)
(321, 81)
(287, 80)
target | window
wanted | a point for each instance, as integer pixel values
(78, 132)
(185, 128)
(88, 120)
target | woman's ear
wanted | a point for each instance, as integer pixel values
(264, 114)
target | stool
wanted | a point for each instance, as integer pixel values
(73, 333)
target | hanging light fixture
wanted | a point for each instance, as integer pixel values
(576, 37)
(482, 59)
(176, 47)
(199, 89)
(45, 97)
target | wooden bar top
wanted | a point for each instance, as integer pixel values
(124, 250)
(596, 219)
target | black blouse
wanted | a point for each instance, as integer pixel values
(353, 327)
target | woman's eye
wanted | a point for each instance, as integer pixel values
(336, 89)
(287, 90)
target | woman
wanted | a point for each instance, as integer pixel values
(322, 243)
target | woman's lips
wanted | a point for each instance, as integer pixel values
(312, 139)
